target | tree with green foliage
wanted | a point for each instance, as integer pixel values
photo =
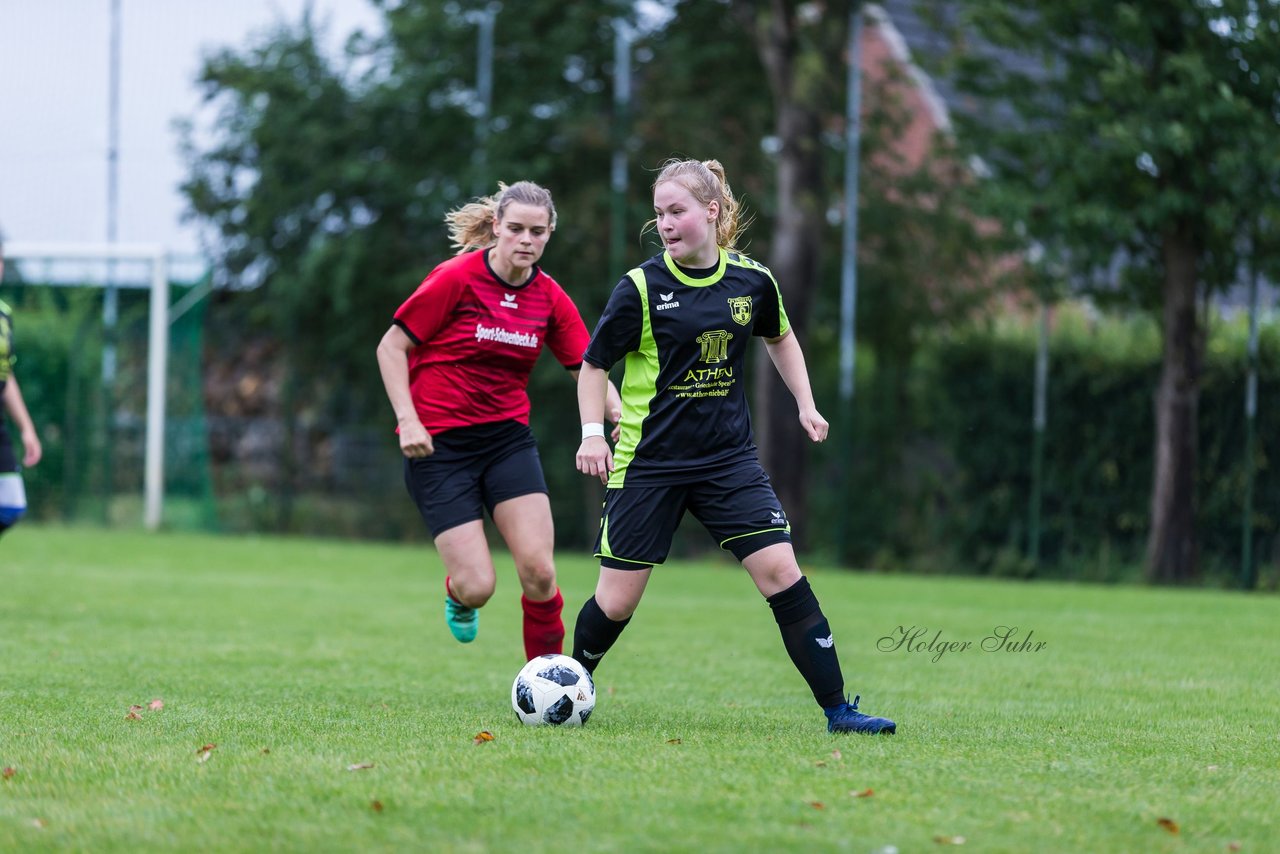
(327, 179)
(1137, 143)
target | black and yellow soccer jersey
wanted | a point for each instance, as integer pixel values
(6, 343)
(685, 340)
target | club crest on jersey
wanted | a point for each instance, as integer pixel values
(740, 307)
(508, 300)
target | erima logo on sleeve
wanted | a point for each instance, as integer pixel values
(827, 642)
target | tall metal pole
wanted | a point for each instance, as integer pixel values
(849, 268)
(621, 133)
(111, 306)
(484, 89)
(111, 295)
(1248, 572)
(1038, 422)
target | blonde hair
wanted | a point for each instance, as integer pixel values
(471, 226)
(705, 180)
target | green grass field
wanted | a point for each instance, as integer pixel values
(299, 659)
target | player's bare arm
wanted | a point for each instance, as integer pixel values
(788, 359)
(393, 363)
(594, 457)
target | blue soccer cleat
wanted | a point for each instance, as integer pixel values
(846, 718)
(463, 621)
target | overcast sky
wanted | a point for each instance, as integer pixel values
(54, 107)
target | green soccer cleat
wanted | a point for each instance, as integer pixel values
(463, 621)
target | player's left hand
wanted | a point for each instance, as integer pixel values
(814, 424)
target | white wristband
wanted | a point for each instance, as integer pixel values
(589, 430)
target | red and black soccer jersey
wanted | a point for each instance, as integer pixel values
(478, 338)
(685, 341)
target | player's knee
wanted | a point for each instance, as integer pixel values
(473, 593)
(616, 606)
(538, 577)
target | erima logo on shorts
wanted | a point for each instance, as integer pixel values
(668, 301)
(777, 518)
(508, 301)
(506, 336)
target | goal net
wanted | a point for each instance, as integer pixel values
(109, 345)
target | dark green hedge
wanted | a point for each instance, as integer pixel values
(952, 489)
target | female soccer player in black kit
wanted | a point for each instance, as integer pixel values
(13, 496)
(682, 321)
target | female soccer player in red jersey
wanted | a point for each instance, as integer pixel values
(456, 363)
(683, 321)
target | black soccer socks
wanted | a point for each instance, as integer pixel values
(809, 641)
(594, 634)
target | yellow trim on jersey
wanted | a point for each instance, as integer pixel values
(674, 269)
(638, 383)
(784, 324)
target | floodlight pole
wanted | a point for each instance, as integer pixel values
(1038, 423)
(484, 18)
(111, 295)
(849, 272)
(618, 165)
(1248, 572)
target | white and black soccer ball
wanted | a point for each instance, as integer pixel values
(555, 690)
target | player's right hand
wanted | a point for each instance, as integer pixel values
(594, 458)
(415, 441)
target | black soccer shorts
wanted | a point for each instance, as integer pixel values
(738, 507)
(473, 470)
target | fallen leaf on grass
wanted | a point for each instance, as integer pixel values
(483, 736)
(865, 793)
(674, 741)
(9, 773)
(135, 708)
(39, 822)
(1169, 825)
(835, 754)
(362, 766)
(821, 763)
(817, 805)
(1233, 846)
(266, 750)
(156, 705)
(949, 840)
(133, 716)
(202, 755)
(376, 806)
